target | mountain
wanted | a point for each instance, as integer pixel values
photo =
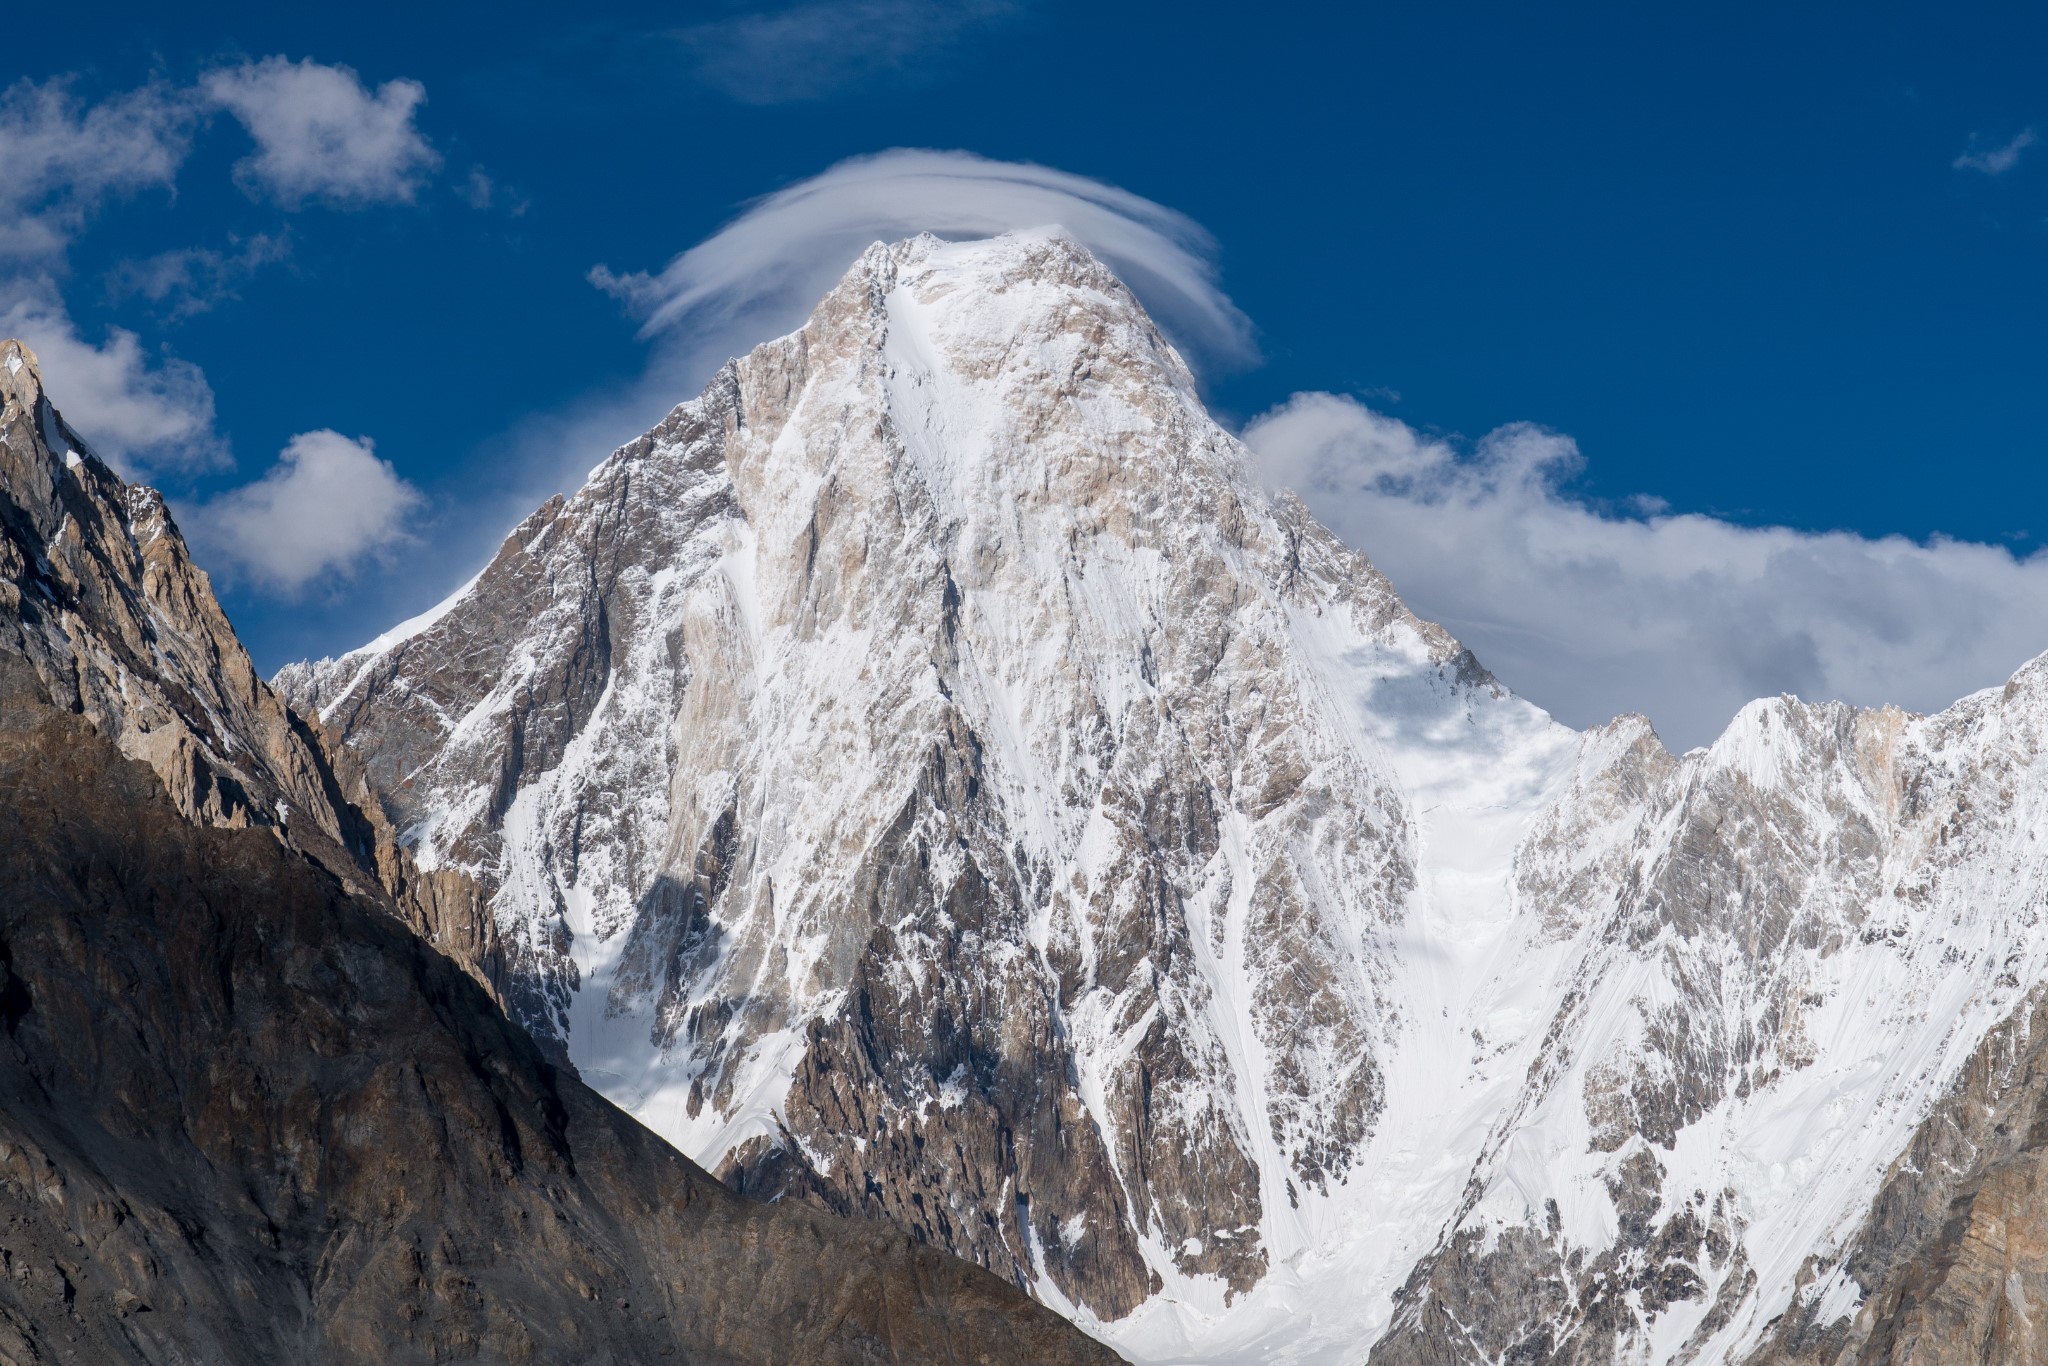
(928, 778)
(250, 1112)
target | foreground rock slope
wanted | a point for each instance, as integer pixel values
(248, 1114)
(928, 777)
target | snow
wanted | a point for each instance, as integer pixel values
(1476, 767)
(55, 437)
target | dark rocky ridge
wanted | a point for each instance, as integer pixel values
(246, 1116)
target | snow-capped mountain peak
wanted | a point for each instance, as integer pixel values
(927, 776)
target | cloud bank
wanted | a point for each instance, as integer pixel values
(325, 507)
(1591, 612)
(60, 158)
(322, 135)
(328, 504)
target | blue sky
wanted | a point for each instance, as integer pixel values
(1777, 270)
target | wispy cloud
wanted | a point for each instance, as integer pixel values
(812, 51)
(60, 158)
(321, 134)
(483, 192)
(478, 189)
(194, 280)
(1591, 612)
(324, 508)
(1996, 160)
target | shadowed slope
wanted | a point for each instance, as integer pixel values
(248, 1117)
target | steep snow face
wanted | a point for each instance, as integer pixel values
(925, 776)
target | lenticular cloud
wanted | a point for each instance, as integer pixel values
(761, 273)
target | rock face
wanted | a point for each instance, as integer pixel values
(928, 777)
(98, 594)
(248, 1117)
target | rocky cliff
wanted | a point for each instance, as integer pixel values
(927, 776)
(248, 1117)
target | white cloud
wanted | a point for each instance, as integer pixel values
(1996, 160)
(59, 158)
(1592, 612)
(321, 134)
(140, 416)
(327, 505)
(760, 275)
(810, 51)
